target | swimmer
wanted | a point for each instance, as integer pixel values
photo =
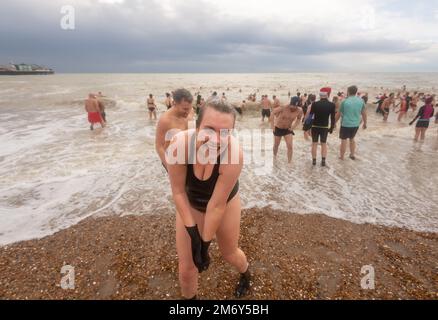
(94, 111)
(308, 117)
(173, 121)
(207, 198)
(240, 109)
(168, 102)
(424, 115)
(266, 108)
(152, 107)
(385, 107)
(286, 119)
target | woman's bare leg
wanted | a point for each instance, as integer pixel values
(423, 134)
(228, 236)
(417, 133)
(187, 271)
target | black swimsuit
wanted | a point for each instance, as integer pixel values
(199, 192)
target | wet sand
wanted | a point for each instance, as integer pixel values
(292, 257)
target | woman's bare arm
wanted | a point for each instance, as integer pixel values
(228, 177)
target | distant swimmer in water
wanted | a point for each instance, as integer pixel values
(206, 195)
(308, 117)
(240, 109)
(276, 104)
(414, 101)
(174, 120)
(93, 110)
(266, 108)
(168, 102)
(424, 115)
(152, 107)
(403, 108)
(322, 110)
(286, 119)
(198, 104)
(352, 112)
(386, 106)
(379, 102)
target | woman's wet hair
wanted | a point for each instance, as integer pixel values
(220, 106)
(181, 95)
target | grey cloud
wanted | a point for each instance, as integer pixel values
(136, 37)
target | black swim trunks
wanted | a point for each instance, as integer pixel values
(319, 134)
(239, 110)
(282, 132)
(266, 113)
(348, 133)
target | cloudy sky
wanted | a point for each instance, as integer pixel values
(223, 35)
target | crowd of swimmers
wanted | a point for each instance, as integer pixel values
(320, 117)
(207, 194)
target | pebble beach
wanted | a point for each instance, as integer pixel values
(292, 257)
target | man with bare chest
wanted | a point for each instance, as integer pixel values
(286, 119)
(173, 121)
(94, 112)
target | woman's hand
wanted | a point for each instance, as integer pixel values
(197, 245)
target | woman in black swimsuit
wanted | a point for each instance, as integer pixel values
(152, 107)
(206, 195)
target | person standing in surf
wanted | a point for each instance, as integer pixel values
(352, 112)
(152, 107)
(94, 112)
(424, 115)
(322, 111)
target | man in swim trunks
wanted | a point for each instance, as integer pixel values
(386, 105)
(322, 110)
(93, 110)
(286, 119)
(266, 108)
(207, 198)
(173, 121)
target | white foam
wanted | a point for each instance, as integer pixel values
(56, 172)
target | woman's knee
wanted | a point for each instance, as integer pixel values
(230, 255)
